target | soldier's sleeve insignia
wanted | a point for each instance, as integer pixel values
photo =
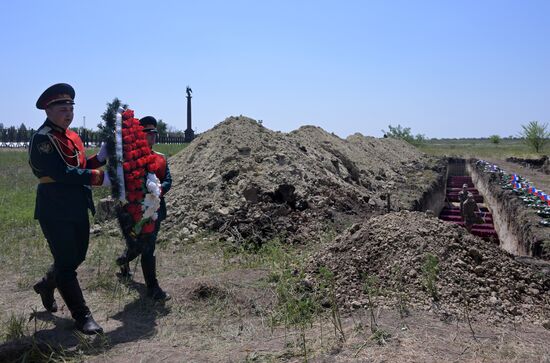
(45, 147)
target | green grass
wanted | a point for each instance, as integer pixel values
(479, 148)
(169, 149)
(17, 186)
(21, 241)
(25, 252)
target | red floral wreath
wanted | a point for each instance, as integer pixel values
(138, 160)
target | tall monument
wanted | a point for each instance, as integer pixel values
(189, 133)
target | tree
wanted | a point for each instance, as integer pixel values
(12, 134)
(162, 128)
(112, 108)
(495, 139)
(22, 133)
(536, 135)
(404, 133)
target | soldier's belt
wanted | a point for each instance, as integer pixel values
(46, 179)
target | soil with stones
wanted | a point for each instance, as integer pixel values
(471, 275)
(522, 221)
(253, 184)
(542, 164)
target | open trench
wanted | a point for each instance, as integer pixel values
(499, 209)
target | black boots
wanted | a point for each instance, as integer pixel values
(45, 289)
(72, 294)
(125, 272)
(123, 261)
(157, 294)
(148, 265)
(88, 325)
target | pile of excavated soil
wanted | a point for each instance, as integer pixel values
(471, 272)
(254, 184)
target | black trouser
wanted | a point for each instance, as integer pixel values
(146, 249)
(68, 242)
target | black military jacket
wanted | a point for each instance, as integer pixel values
(57, 157)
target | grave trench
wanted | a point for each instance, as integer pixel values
(500, 226)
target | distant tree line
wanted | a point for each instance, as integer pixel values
(20, 136)
(15, 134)
(535, 134)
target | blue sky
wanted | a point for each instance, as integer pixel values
(443, 68)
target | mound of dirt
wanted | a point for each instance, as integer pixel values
(542, 164)
(254, 184)
(203, 291)
(470, 272)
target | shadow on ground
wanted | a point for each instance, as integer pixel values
(138, 322)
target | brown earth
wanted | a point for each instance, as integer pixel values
(220, 312)
(248, 184)
(531, 238)
(470, 271)
(253, 184)
(542, 164)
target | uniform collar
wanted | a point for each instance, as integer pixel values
(49, 123)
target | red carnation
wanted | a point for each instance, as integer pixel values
(148, 228)
(126, 166)
(135, 196)
(136, 174)
(128, 114)
(152, 167)
(131, 187)
(136, 216)
(133, 208)
(136, 184)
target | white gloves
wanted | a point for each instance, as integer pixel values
(106, 179)
(102, 154)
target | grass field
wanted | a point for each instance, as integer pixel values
(480, 148)
(23, 247)
(227, 303)
(21, 242)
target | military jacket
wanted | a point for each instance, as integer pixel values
(58, 159)
(470, 215)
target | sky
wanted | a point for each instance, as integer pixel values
(442, 68)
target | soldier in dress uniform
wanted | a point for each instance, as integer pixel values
(58, 159)
(147, 249)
